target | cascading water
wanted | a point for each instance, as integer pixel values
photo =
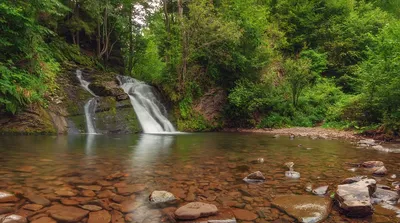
(149, 110)
(90, 106)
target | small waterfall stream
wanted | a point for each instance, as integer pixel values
(90, 106)
(149, 110)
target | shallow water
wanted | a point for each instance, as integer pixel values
(213, 164)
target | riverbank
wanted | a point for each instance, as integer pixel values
(312, 132)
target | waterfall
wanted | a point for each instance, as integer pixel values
(90, 106)
(148, 108)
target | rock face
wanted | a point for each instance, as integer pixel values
(157, 197)
(355, 198)
(195, 210)
(304, 208)
(67, 213)
(255, 177)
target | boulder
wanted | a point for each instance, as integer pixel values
(355, 198)
(157, 197)
(195, 210)
(304, 208)
(255, 177)
(292, 174)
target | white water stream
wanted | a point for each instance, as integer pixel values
(90, 106)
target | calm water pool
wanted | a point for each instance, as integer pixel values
(206, 167)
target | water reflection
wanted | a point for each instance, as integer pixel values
(90, 144)
(151, 147)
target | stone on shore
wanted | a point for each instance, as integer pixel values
(304, 208)
(355, 198)
(255, 177)
(195, 210)
(157, 197)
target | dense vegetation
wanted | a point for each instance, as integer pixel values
(334, 63)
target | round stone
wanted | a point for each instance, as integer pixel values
(195, 210)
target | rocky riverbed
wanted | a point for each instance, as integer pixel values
(194, 178)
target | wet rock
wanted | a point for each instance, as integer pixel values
(157, 197)
(14, 219)
(116, 175)
(255, 177)
(304, 208)
(105, 194)
(117, 217)
(372, 164)
(353, 179)
(99, 217)
(90, 187)
(366, 142)
(289, 165)
(130, 189)
(32, 207)
(66, 193)
(44, 220)
(308, 187)
(5, 210)
(244, 215)
(354, 198)
(195, 210)
(320, 190)
(129, 206)
(385, 196)
(7, 197)
(37, 199)
(292, 174)
(90, 207)
(258, 160)
(393, 176)
(67, 213)
(381, 171)
(69, 202)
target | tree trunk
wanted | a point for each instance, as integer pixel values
(98, 36)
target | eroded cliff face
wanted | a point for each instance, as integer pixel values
(64, 111)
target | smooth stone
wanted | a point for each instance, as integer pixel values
(371, 164)
(304, 208)
(6, 197)
(37, 199)
(67, 213)
(66, 193)
(44, 220)
(353, 179)
(354, 199)
(14, 219)
(88, 193)
(99, 217)
(385, 196)
(130, 189)
(380, 171)
(157, 197)
(129, 206)
(91, 207)
(90, 187)
(244, 215)
(32, 207)
(289, 165)
(105, 194)
(117, 217)
(292, 174)
(195, 210)
(393, 176)
(5, 210)
(255, 177)
(320, 190)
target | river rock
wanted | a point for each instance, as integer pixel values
(99, 217)
(354, 198)
(372, 164)
(353, 179)
(67, 213)
(380, 171)
(320, 190)
(14, 219)
(289, 165)
(255, 177)
(195, 210)
(91, 207)
(292, 174)
(7, 197)
(130, 189)
(366, 142)
(37, 199)
(44, 220)
(32, 207)
(157, 197)
(304, 208)
(385, 196)
(66, 193)
(244, 215)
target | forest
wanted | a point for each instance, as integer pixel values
(329, 63)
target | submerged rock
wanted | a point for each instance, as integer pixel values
(355, 198)
(304, 208)
(195, 210)
(372, 164)
(99, 217)
(292, 174)
(157, 197)
(67, 213)
(7, 197)
(13, 219)
(255, 177)
(385, 196)
(244, 215)
(320, 190)
(380, 171)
